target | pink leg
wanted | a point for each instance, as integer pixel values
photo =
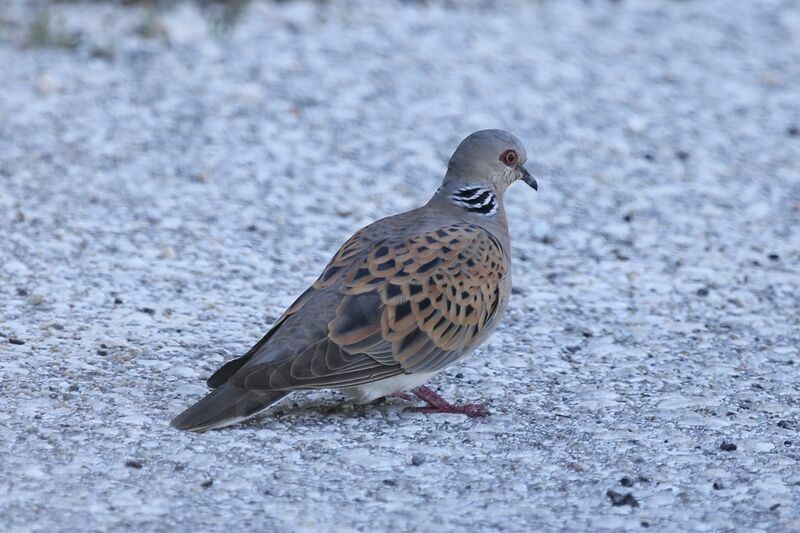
(437, 404)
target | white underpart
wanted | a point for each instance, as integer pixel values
(378, 389)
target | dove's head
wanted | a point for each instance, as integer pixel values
(488, 158)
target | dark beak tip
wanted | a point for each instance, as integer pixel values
(530, 180)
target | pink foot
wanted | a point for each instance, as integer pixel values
(437, 404)
(404, 395)
(472, 410)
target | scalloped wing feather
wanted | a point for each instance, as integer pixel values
(438, 291)
(404, 307)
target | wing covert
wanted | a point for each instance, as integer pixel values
(413, 305)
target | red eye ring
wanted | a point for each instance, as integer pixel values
(509, 157)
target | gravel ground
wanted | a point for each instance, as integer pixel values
(172, 179)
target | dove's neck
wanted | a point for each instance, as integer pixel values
(477, 199)
(473, 200)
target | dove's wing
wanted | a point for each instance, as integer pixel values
(229, 369)
(386, 308)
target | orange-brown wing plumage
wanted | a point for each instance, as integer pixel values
(401, 307)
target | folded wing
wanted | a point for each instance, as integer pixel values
(409, 306)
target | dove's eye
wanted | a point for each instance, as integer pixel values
(509, 157)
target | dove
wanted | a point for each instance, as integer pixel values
(402, 299)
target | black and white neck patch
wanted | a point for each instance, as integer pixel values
(476, 199)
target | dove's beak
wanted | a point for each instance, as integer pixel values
(527, 178)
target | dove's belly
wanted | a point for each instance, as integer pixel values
(378, 389)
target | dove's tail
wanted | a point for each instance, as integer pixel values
(225, 406)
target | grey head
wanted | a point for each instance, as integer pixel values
(480, 170)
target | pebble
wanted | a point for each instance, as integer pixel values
(618, 499)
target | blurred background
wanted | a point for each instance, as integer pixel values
(174, 173)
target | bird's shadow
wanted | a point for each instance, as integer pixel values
(316, 406)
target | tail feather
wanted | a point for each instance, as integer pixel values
(225, 406)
